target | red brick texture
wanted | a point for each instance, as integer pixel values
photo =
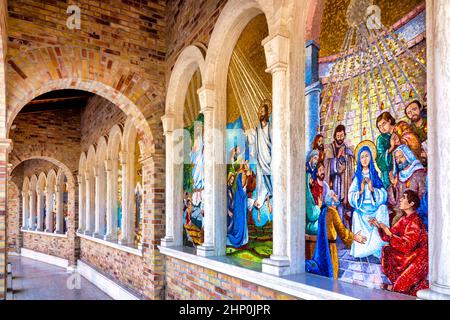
(186, 281)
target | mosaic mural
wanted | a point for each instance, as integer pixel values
(248, 146)
(193, 172)
(367, 199)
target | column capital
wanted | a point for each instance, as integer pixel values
(6, 144)
(168, 121)
(123, 157)
(276, 48)
(109, 165)
(207, 98)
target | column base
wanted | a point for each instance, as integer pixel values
(110, 238)
(167, 242)
(436, 292)
(278, 266)
(124, 243)
(48, 231)
(206, 250)
(87, 233)
(98, 235)
(61, 232)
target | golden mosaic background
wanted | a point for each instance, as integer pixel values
(250, 44)
(334, 23)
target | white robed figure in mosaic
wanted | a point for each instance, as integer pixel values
(368, 198)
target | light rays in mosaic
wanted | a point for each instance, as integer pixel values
(372, 73)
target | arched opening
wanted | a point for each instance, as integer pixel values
(248, 147)
(193, 169)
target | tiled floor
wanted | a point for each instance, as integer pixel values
(34, 280)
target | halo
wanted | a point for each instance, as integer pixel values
(371, 145)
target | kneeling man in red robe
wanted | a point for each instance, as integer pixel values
(405, 258)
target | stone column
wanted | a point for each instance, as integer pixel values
(40, 210)
(25, 210)
(111, 199)
(60, 209)
(99, 202)
(438, 42)
(125, 223)
(81, 204)
(49, 210)
(32, 215)
(215, 191)
(89, 207)
(313, 92)
(174, 183)
(277, 55)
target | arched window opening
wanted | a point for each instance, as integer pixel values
(248, 147)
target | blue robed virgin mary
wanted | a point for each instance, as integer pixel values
(367, 205)
(237, 235)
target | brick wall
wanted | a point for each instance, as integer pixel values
(14, 217)
(189, 22)
(53, 134)
(97, 119)
(120, 46)
(186, 281)
(54, 246)
(121, 266)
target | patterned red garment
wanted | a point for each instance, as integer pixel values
(405, 258)
(317, 191)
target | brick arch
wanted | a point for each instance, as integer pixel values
(72, 195)
(69, 67)
(67, 172)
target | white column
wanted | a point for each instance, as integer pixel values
(32, 215)
(214, 194)
(49, 210)
(89, 207)
(25, 209)
(111, 199)
(40, 210)
(208, 248)
(277, 55)
(125, 223)
(60, 209)
(81, 204)
(131, 198)
(174, 228)
(99, 202)
(438, 42)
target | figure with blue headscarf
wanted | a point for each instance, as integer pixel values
(408, 174)
(368, 198)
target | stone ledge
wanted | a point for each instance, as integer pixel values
(136, 252)
(303, 286)
(39, 256)
(48, 234)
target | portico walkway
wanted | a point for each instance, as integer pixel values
(34, 280)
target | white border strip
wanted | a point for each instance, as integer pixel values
(136, 252)
(103, 283)
(60, 262)
(47, 234)
(307, 287)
